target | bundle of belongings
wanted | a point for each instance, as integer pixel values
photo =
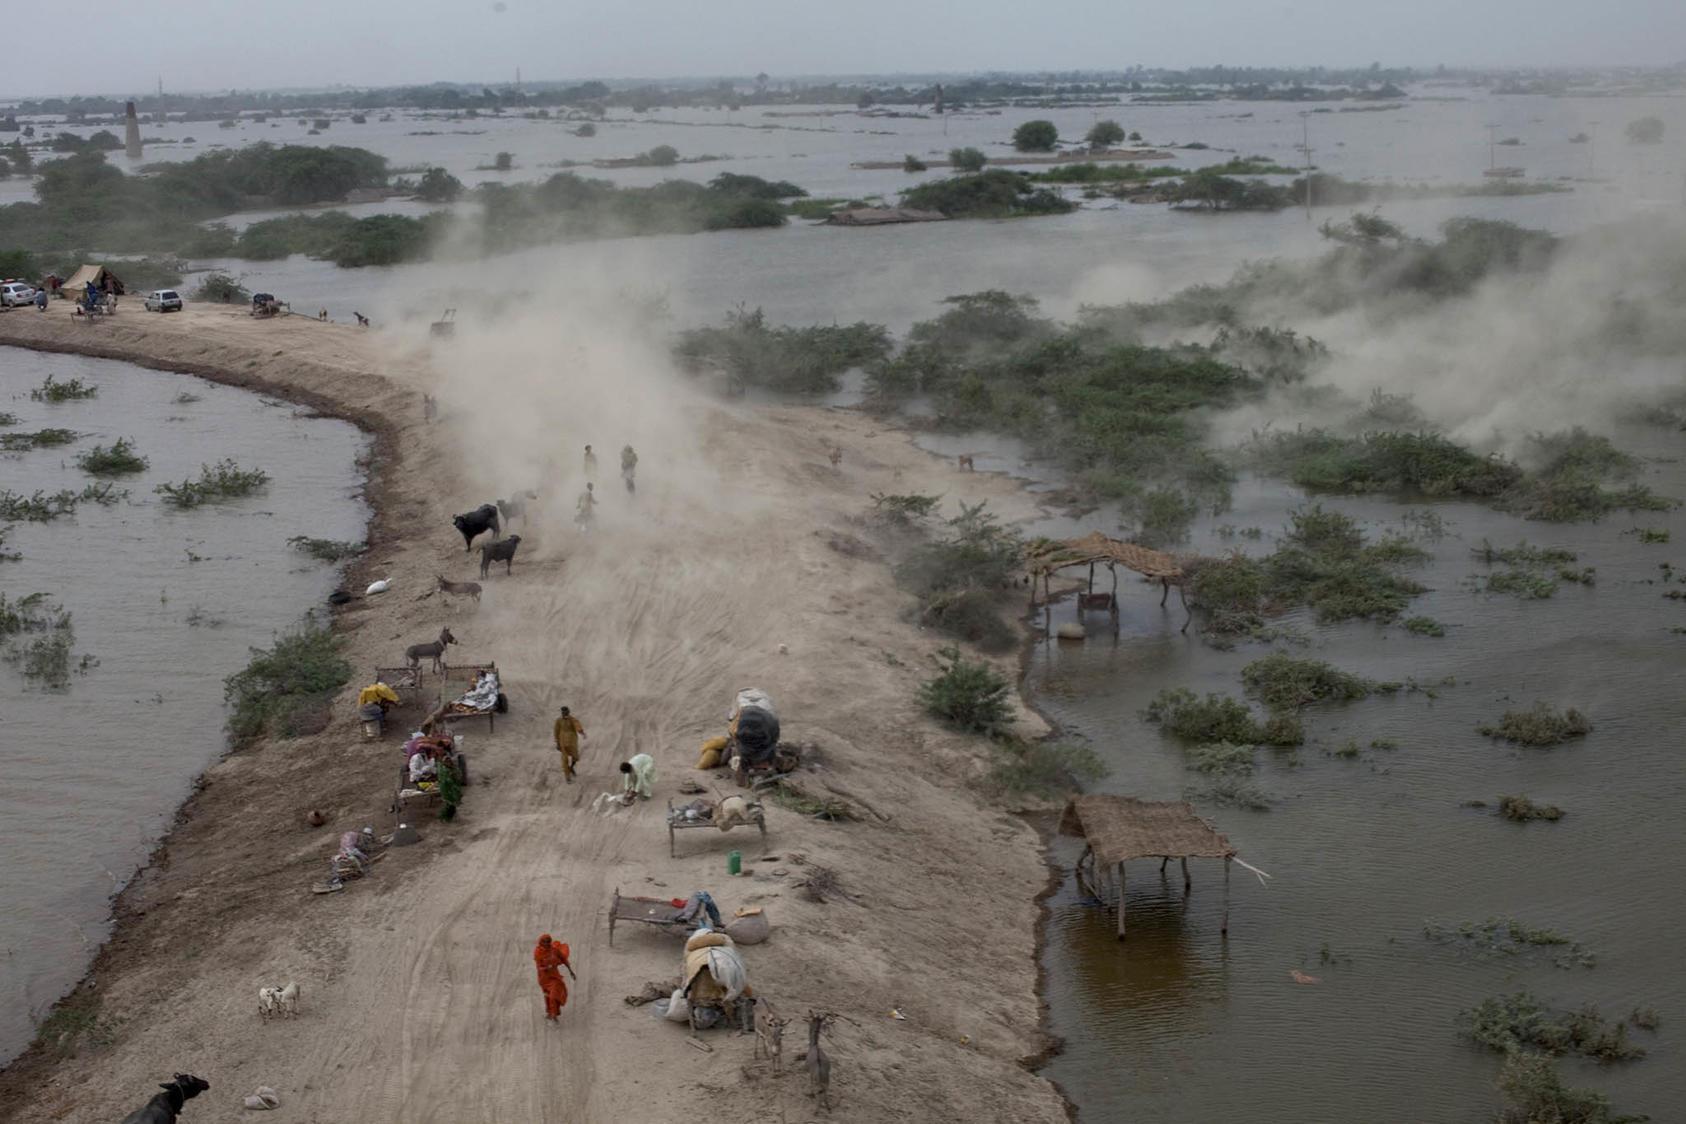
(714, 980)
(478, 699)
(725, 815)
(357, 849)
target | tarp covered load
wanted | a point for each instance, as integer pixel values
(754, 726)
(714, 969)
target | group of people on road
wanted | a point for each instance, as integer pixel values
(638, 778)
(586, 506)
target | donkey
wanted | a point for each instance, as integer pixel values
(435, 651)
(819, 1062)
(461, 589)
(164, 1107)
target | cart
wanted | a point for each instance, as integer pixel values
(678, 820)
(660, 912)
(467, 674)
(446, 326)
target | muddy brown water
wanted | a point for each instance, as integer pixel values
(168, 602)
(1178, 1024)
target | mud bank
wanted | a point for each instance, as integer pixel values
(419, 1001)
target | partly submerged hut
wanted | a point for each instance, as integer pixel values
(1046, 556)
(1117, 829)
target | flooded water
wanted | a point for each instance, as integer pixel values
(1175, 1024)
(167, 602)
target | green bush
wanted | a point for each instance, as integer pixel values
(503, 161)
(1514, 1024)
(1424, 626)
(40, 439)
(904, 510)
(1543, 725)
(285, 685)
(1534, 1093)
(1218, 718)
(224, 480)
(438, 186)
(969, 696)
(912, 163)
(803, 360)
(221, 288)
(1043, 768)
(967, 159)
(326, 550)
(1036, 136)
(1283, 683)
(52, 390)
(997, 193)
(118, 460)
(1520, 809)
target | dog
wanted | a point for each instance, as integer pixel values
(835, 455)
(434, 651)
(477, 522)
(461, 589)
(269, 1002)
(966, 464)
(165, 1107)
(499, 552)
(289, 1000)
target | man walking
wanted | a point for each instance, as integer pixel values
(568, 733)
(548, 956)
(590, 464)
(629, 466)
(584, 506)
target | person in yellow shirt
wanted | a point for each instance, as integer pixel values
(377, 692)
(568, 733)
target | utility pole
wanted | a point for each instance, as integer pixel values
(1492, 147)
(1305, 148)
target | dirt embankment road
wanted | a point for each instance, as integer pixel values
(419, 1001)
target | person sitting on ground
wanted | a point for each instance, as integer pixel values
(378, 692)
(639, 775)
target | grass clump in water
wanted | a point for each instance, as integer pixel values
(1424, 626)
(1520, 1023)
(1218, 718)
(969, 696)
(40, 439)
(1043, 768)
(35, 637)
(118, 460)
(1281, 682)
(1534, 1093)
(1569, 483)
(1542, 725)
(1520, 809)
(286, 686)
(224, 480)
(43, 508)
(51, 390)
(326, 550)
(1651, 535)
(1508, 937)
(1324, 562)
(1406, 464)
(1233, 791)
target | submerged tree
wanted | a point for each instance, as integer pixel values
(1036, 136)
(1104, 134)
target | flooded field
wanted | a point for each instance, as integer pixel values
(1366, 846)
(163, 605)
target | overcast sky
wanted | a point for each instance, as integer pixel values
(218, 44)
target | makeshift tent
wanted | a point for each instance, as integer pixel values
(1045, 557)
(104, 280)
(754, 726)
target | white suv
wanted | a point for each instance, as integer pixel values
(163, 300)
(15, 294)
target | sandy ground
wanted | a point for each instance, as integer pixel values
(419, 1001)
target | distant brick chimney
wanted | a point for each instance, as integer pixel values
(131, 132)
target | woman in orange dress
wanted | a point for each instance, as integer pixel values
(550, 955)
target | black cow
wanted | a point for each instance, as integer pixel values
(481, 519)
(164, 1107)
(499, 552)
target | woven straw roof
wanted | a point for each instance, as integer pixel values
(1096, 547)
(1122, 827)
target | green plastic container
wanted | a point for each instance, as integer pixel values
(734, 862)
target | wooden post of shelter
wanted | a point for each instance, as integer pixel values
(1225, 930)
(1120, 901)
(1187, 881)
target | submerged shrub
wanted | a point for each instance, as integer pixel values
(224, 480)
(1520, 809)
(1534, 1093)
(1282, 682)
(326, 550)
(51, 390)
(1218, 718)
(1043, 768)
(119, 460)
(1543, 725)
(1513, 1024)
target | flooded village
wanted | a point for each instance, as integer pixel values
(1121, 594)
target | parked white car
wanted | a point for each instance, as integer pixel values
(163, 300)
(16, 294)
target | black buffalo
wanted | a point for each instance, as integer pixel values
(482, 519)
(499, 552)
(164, 1107)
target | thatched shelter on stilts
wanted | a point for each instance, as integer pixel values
(1117, 829)
(1046, 556)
